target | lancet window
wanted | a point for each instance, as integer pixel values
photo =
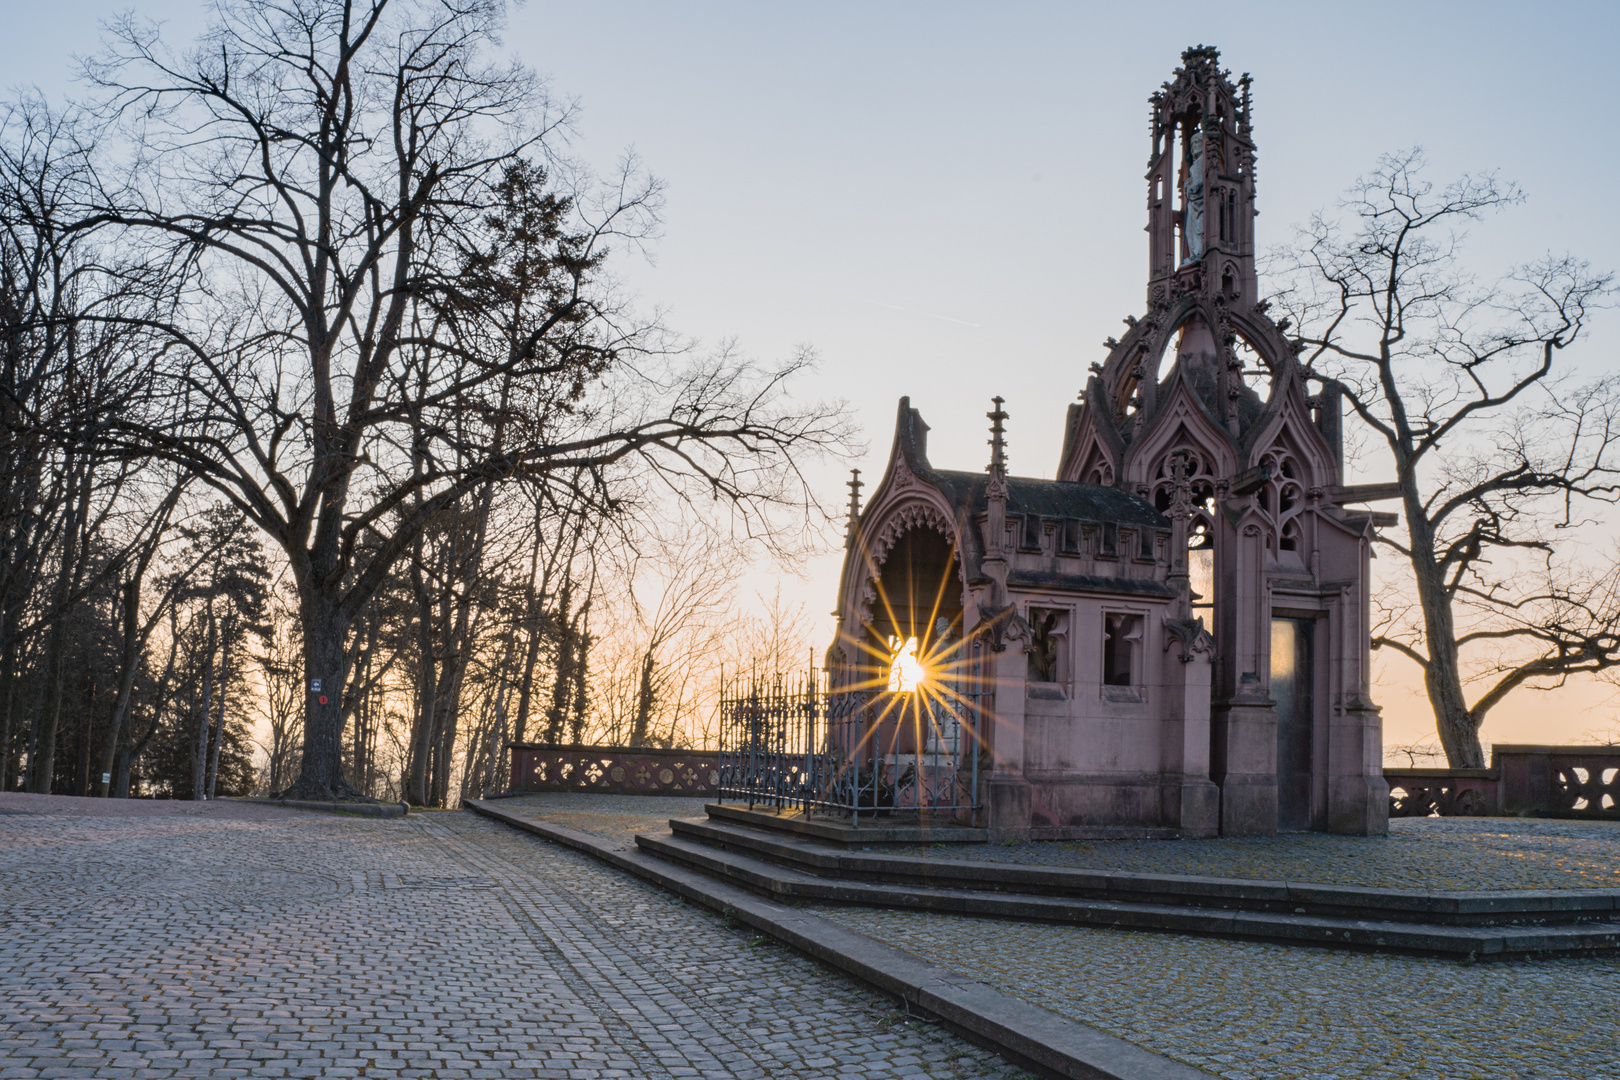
(1283, 500)
(1201, 529)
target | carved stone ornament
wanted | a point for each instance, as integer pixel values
(1190, 635)
(903, 479)
(1004, 625)
(911, 515)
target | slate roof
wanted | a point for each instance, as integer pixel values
(1049, 498)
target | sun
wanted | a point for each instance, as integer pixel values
(906, 672)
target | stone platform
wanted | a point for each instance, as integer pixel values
(1418, 853)
(1462, 924)
(1296, 1013)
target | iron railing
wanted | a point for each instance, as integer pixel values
(794, 743)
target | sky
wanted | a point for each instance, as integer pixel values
(946, 200)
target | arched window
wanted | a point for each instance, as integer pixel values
(1283, 500)
(1200, 530)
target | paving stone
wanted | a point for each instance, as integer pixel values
(1272, 1012)
(440, 945)
(1418, 853)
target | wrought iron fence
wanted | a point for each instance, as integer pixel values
(794, 743)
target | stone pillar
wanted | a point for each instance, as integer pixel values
(1358, 796)
(1188, 799)
(1244, 762)
(1008, 796)
(1243, 736)
(1357, 793)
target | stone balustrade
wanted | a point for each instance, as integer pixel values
(1546, 781)
(616, 770)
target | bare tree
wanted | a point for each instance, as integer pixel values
(137, 625)
(332, 173)
(71, 357)
(1495, 446)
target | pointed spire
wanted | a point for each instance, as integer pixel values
(998, 440)
(854, 486)
(996, 491)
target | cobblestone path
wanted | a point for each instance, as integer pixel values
(1251, 1010)
(441, 945)
(1418, 853)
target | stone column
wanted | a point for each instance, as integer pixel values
(1188, 799)
(1358, 794)
(1243, 758)
(1008, 796)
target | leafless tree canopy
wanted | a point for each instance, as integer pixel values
(389, 301)
(1499, 445)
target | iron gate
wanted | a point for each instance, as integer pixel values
(794, 743)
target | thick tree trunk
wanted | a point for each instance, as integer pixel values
(199, 770)
(1442, 675)
(320, 774)
(444, 756)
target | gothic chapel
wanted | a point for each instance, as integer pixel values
(1171, 637)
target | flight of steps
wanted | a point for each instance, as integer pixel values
(790, 860)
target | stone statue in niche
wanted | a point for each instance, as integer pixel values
(1192, 228)
(1043, 647)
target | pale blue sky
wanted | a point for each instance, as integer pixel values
(946, 199)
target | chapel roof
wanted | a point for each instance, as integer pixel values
(1025, 494)
(1049, 498)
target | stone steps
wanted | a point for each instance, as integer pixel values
(797, 871)
(1434, 906)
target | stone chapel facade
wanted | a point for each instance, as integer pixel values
(1173, 634)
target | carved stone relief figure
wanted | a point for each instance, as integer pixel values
(1043, 646)
(1192, 229)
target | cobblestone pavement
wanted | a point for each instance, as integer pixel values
(440, 945)
(1250, 1010)
(16, 802)
(614, 817)
(1418, 853)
